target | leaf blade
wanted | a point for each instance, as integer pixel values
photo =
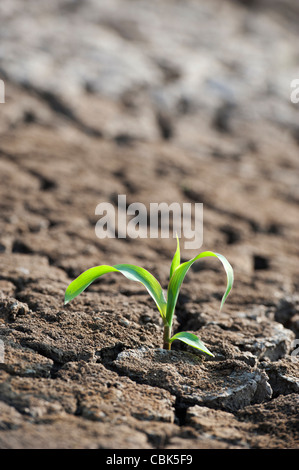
(132, 272)
(176, 259)
(179, 275)
(81, 283)
(138, 274)
(192, 340)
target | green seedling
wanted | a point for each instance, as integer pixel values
(166, 306)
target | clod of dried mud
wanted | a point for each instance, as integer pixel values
(228, 385)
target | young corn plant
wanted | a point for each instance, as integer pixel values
(166, 306)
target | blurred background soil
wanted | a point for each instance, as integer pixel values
(163, 101)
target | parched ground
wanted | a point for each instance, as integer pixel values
(163, 101)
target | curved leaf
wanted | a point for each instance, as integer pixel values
(191, 340)
(179, 275)
(134, 273)
(176, 259)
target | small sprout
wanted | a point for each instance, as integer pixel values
(165, 306)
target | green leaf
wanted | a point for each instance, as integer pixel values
(191, 340)
(176, 259)
(179, 275)
(134, 273)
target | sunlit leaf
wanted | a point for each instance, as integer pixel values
(134, 273)
(176, 259)
(179, 275)
(191, 340)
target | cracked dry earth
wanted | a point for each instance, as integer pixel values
(92, 374)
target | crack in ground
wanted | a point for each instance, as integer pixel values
(109, 355)
(106, 356)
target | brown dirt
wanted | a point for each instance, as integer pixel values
(92, 374)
